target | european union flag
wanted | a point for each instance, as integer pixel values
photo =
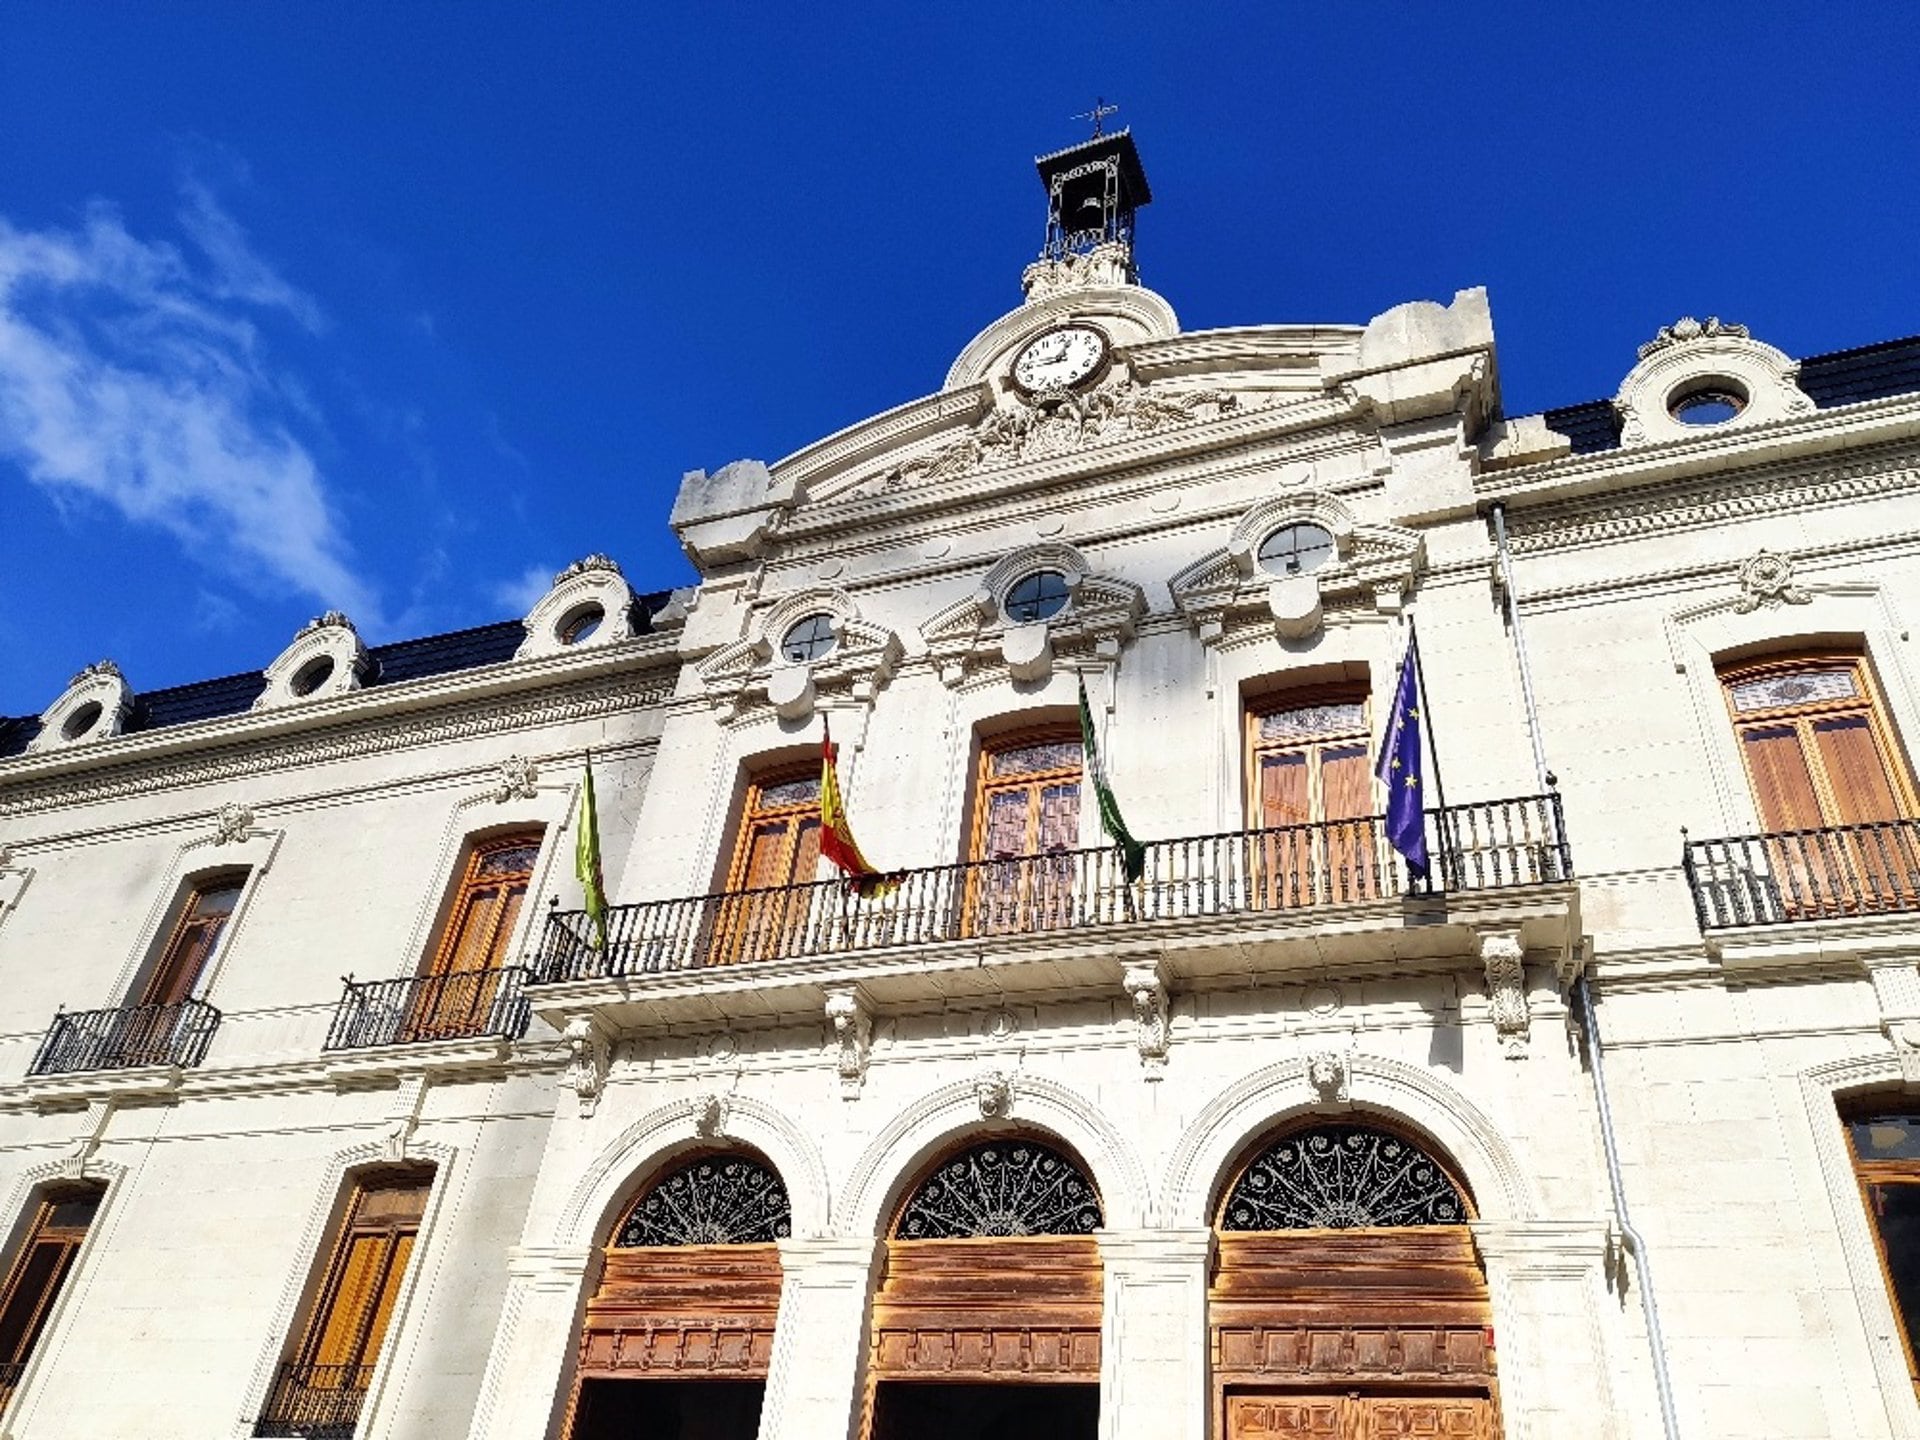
(1401, 766)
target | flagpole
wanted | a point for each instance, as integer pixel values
(1433, 748)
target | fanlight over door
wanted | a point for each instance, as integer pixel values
(1348, 1300)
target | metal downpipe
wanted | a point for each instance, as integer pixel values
(1583, 997)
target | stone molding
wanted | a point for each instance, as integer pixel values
(329, 637)
(1145, 981)
(617, 1170)
(850, 1024)
(1270, 1097)
(593, 581)
(1688, 354)
(281, 752)
(1227, 589)
(100, 684)
(895, 1155)
(973, 637)
(749, 677)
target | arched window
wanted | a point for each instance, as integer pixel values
(1886, 1161)
(728, 1199)
(1342, 1177)
(1002, 1188)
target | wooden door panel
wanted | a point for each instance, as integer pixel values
(1277, 1417)
(1449, 1418)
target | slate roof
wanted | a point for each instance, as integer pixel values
(393, 664)
(1844, 377)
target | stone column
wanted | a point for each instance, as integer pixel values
(1547, 1279)
(1153, 1334)
(819, 1339)
(524, 1389)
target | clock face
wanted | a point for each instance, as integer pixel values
(1060, 358)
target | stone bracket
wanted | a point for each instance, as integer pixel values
(1144, 979)
(1504, 959)
(589, 1055)
(850, 1017)
(1896, 986)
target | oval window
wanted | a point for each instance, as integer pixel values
(581, 624)
(1038, 596)
(81, 721)
(809, 639)
(1711, 402)
(1295, 549)
(312, 675)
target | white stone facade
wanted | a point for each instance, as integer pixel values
(1157, 1052)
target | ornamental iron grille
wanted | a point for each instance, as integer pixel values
(1002, 1188)
(1342, 1177)
(715, 1200)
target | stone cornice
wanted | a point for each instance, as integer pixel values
(880, 434)
(514, 698)
(1848, 427)
(1253, 348)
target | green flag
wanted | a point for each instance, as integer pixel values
(1132, 853)
(586, 861)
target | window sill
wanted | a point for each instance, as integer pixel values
(146, 1083)
(482, 1054)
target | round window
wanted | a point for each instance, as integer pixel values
(1038, 596)
(581, 623)
(809, 639)
(1708, 402)
(81, 721)
(1295, 549)
(312, 675)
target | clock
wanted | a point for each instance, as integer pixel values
(1060, 359)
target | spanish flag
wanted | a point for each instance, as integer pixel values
(836, 833)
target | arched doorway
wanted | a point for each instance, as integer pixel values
(987, 1321)
(1347, 1300)
(679, 1329)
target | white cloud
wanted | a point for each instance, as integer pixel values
(132, 375)
(520, 594)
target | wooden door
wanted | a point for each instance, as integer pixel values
(39, 1272)
(1312, 801)
(455, 997)
(1026, 832)
(1357, 1416)
(769, 898)
(363, 1278)
(1828, 785)
(149, 1031)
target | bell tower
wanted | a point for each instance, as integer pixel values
(1093, 191)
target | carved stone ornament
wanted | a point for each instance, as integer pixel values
(589, 1053)
(516, 778)
(1503, 959)
(1103, 266)
(1330, 1075)
(1371, 568)
(94, 706)
(994, 1091)
(232, 822)
(1146, 988)
(1041, 426)
(709, 1115)
(1767, 579)
(752, 675)
(1687, 328)
(974, 635)
(589, 605)
(852, 1025)
(326, 658)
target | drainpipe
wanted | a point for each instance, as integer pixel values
(1583, 998)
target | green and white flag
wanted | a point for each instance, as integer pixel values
(586, 861)
(1132, 853)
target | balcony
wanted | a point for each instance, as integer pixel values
(420, 1009)
(1319, 893)
(135, 1037)
(317, 1402)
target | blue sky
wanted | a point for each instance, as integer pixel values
(400, 307)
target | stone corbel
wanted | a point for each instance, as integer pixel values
(1504, 960)
(93, 1129)
(850, 1018)
(993, 1089)
(1146, 987)
(1330, 1073)
(589, 1054)
(1896, 986)
(403, 1116)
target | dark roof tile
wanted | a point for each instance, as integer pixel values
(1871, 372)
(1592, 426)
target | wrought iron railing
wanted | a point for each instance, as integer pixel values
(460, 1005)
(318, 1402)
(124, 1039)
(1825, 874)
(1472, 847)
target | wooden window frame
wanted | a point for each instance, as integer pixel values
(751, 811)
(1256, 708)
(470, 880)
(40, 1231)
(165, 955)
(334, 1271)
(1868, 701)
(1867, 1173)
(984, 783)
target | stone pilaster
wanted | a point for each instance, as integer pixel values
(524, 1389)
(1153, 1338)
(815, 1379)
(1547, 1279)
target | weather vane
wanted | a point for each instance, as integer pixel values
(1098, 114)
